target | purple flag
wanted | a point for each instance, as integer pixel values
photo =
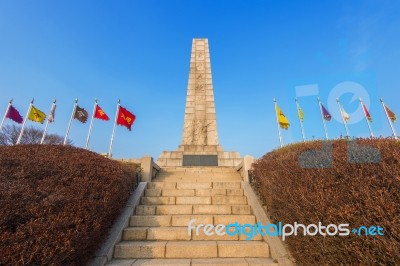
(14, 115)
(326, 114)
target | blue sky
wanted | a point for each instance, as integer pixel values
(139, 51)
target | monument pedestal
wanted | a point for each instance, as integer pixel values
(200, 145)
(176, 158)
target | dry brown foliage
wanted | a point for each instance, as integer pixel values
(57, 203)
(354, 193)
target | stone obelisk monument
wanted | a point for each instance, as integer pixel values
(200, 146)
(200, 124)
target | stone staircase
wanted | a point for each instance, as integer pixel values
(158, 231)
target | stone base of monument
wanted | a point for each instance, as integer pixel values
(196, 155)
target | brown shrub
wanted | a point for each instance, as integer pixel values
(57, 203)
(354, 193)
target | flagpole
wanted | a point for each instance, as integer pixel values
(5, 114)
(70, 121)
(47, 123)
(323, 120)
(366, 118)
(113, 132)
(91, 124)
(344, 120)
(23, 124)
(277, 122)
(389, 120)
(301, 123)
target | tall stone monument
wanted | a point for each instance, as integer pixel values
(200, 146)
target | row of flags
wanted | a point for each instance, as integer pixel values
(123, 117)
(284, 123)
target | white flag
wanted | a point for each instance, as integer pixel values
(346, 116)
(52, 113)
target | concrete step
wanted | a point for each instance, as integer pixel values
(178, 192)
(178, 233)
(145, 210)
(191, 249)
(241, 219)
(194, 262)
(201, 174)
(233, 200)
(219, 191)
(156, 233)
(192, 209)
(152, 192)
(191, 177)
(154, 220)
(157, 200)
(183, 220)
(140, 249)
(175, 209)
(194, 200)
(158, 192)
(198, 178)
(168, 185)
(202, 169)
(149, 262)
(212, 209)
(195, 185)
(234, 262)
(243, 249)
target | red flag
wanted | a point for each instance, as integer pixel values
(390, 114)
(369, 117)
(125, 118)
(14, 115)
(100, 114)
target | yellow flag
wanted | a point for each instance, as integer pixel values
(283, 121)
(300, 114)
(36, 115)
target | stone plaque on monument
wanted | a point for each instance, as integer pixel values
(199, 144)
(200, 160)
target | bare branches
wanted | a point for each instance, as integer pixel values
(32, 135)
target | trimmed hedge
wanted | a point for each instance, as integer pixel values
(360, 194)
(57, 203)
